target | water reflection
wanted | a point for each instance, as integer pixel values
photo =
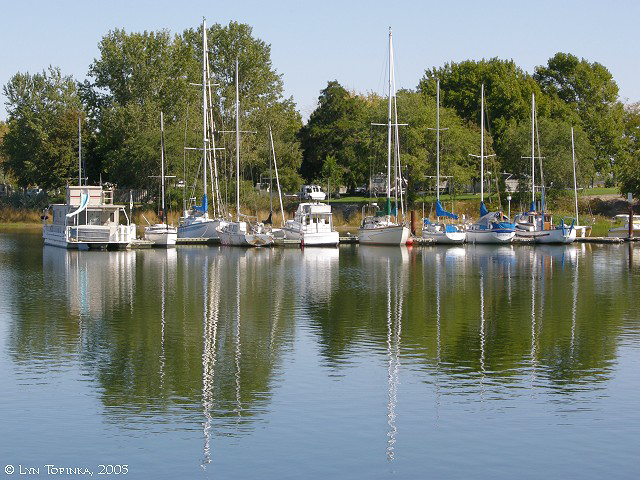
(200, 340)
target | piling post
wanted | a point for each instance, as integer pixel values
(413, 222)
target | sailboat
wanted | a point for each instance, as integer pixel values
(539, 226)
(195, 223)
(492, 227)
(241, 233)
(441, 232)
(584, 230)
(380, 228)
(161, 234)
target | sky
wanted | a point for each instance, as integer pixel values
(313, 43)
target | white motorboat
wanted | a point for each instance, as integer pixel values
(622, 230)
(241, 233)
(313, 193)
(383, 228)
(88, 219)
(195, 222)
(312, 225)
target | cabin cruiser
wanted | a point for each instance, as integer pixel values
(312, 225)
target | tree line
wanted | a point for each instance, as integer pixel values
(138, 75)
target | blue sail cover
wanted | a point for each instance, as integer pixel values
(204, 207)
(441, 212)
(483, 209)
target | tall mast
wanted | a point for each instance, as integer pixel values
(533, 150)
(388, 209)
(205, 140)
(237, 147)
(79, 152)
(482, 144)
(438, 140)
(162, 163)
(575, 182)
(275, 164)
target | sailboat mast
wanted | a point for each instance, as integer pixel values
(575, 182)
(237, 147)
(204, 113)
(438, 139)
(162, 163)
(388, 212)
(482, 144)
(533, 150)
(275, 165)
(79, 152)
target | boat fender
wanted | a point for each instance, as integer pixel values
(409, 241)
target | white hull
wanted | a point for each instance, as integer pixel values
(161, 235)
(86, 237)
(489, 236)
(246, 239)
(206, 229)
(317, 239)
(445, 237)
(388, 235)
(550, 236)
(622, 232)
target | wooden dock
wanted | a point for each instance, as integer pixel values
(599, 240)
(286, 243)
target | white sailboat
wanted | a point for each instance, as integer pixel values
(161, 234)
(380, 228)
(539, 226)
(581, 230)
(440, 232)
(242, 233)
(492, 227)
(195, 223)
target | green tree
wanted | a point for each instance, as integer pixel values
(332, 174)
(629, 169)
(42, 138)
(140, 74)
(555, 147)
(338, 127)
(591, 92)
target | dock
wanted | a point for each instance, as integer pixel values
(599, 240)
(286, 243)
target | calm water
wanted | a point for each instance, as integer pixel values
(350, 363)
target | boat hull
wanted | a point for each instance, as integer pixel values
(448, 238)
(246, 239)
(490, 236)
(556, 236)
(161, 237)
(315, 239)
(622, 232)
(206, 229)
(116, 239)
(387, 235)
